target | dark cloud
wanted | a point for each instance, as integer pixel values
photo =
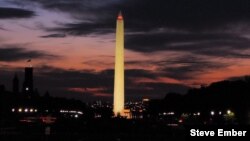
(186, 67)
(98, 63)
(9, 53)
(163, 25)
(191, 70)
(145, 15)
(7, 13)
(219, 45)
(54, 36)
(133, 73)
(84, 28)
(2, 28)
(90, 78)
(85, 79)
(192, 15)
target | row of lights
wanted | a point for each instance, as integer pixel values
(166, 113)
(197, 114)
(75, 116)
(72, 112)
(212, 113)
(26, 110)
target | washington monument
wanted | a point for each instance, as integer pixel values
(119, 68)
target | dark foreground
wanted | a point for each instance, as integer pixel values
(108, 130)
(96, 130)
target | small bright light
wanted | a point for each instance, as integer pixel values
(13, 110)
(212, 113)
(20, 110)
(25, 110)
(76, 116)
(198, 113)
(31, 110)
(26, 88)
(164, 113)
(35, 110)
(79, 112)
(220, 113)
(229, 112)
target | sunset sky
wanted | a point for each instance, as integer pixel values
(171, 45)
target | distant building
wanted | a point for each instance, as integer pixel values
(127, 113)
(15, 85)
(145, 100)
(28, 81)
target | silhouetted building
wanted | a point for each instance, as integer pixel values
(28, 81)
(36, 92)
(47, 94)
(2, 88)
(15, 86)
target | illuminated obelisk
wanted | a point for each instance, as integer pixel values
(119, 68)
